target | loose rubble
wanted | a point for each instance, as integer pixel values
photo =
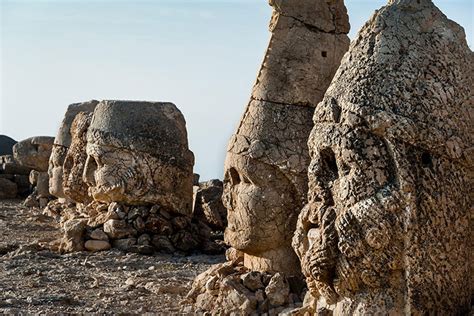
(35, 279)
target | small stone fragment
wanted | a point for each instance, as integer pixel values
(97, 245)
(117, 229)
(99, 234)
(124, 244)
(252, 280)
(277, 290)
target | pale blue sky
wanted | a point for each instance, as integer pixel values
(201, 55)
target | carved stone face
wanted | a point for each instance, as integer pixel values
(353, 210)
(137, 154)
(117, 174)
(347, 166)
(260, 203)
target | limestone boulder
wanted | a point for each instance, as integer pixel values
(34, 152)
(97, 245)
(208, 206)
(74, 232)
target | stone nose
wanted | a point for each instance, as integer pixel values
(89, 171)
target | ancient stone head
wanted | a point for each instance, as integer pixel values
(390, 150)
(62, 142)
(351, 225)
(137, 153)
(74, 163)
(265, 169)
(265, 176)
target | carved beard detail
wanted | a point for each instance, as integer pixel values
(353, 206)
(114, 181)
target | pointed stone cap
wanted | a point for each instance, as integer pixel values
(327, 16)
(408, 76)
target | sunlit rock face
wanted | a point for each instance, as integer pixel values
(265, 181)
(137, 154)
(61, 144)
(387, 226)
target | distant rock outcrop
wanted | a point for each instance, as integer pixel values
(6, 145)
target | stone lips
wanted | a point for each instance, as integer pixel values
(389, 200)
(143, 126)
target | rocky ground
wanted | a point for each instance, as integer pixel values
(36, 279)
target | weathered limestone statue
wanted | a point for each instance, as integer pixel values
(387, 226)
(130, 172)
(265, 168)
(265, 182)
(62, 142)
(137, 153)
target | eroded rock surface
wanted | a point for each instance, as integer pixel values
(386, 229)
(62, 142)
(208, 206)
(230, 288)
